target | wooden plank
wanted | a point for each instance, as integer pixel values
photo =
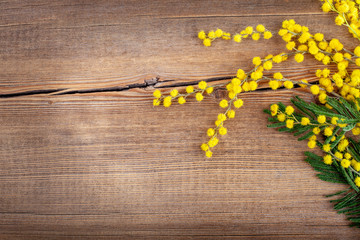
(102, 165)
(107, 165)
(75, 45)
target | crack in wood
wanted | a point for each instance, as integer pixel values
(184, 84)
(239, 16)
(32, 92)
(154, 82)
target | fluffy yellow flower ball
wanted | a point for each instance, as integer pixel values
(274, 109)
(199, 97)
(174, 92)
(211, 34)
(328, 131)
(357, 51)
(189, 89)
(357, 181)
(339, 20)
(208, 154)
(321, 119)
(267, 35)
(231, 114)
(255, 36)
(204, 147)
(218, 33)
(281, 117)
(238, 103)
(289, 123)
(278, 75)
(274, 84)
(345, 163)
(213, 142)
(299, 57)
(221, 117)
(260, 28)
(240, 74)
(237, 38)
(327, 159)
(224, 103)
(222, 131)
(289, 110)
(181, 100)
(311, 144)
(267, 65)
(326, 7)
(335, 44)
(315, 89)
(157, 93)
(156, 102)
(316, 130)
(288, 84)
(305, 121)
(210, 132)
(167, 101)
(207, 42)
(249, 30)
(202, 35)
(202, 85)
(209, 90)
(326, 147)
(319, 37)
(256, 61)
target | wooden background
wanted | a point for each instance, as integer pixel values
(83, 154)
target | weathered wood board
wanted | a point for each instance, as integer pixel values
(83, 153)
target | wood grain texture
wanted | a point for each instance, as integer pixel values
(107, 165)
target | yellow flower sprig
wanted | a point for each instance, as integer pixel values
(203, 87)
(234, 102)
(243, 82)
(338, 92)
(300, 42)
(255, 34)
(340, 162)
(212, 35)
(348, 14)
(330, 127)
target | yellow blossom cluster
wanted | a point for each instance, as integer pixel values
(181, 97)
(342, 155)
(299, 41)
(325, 125)
(285, 116)
(212, 35)
(234, 87)
(347, 14)
(255, 34)
(343, 81)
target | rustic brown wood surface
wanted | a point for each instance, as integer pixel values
(99, 162)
